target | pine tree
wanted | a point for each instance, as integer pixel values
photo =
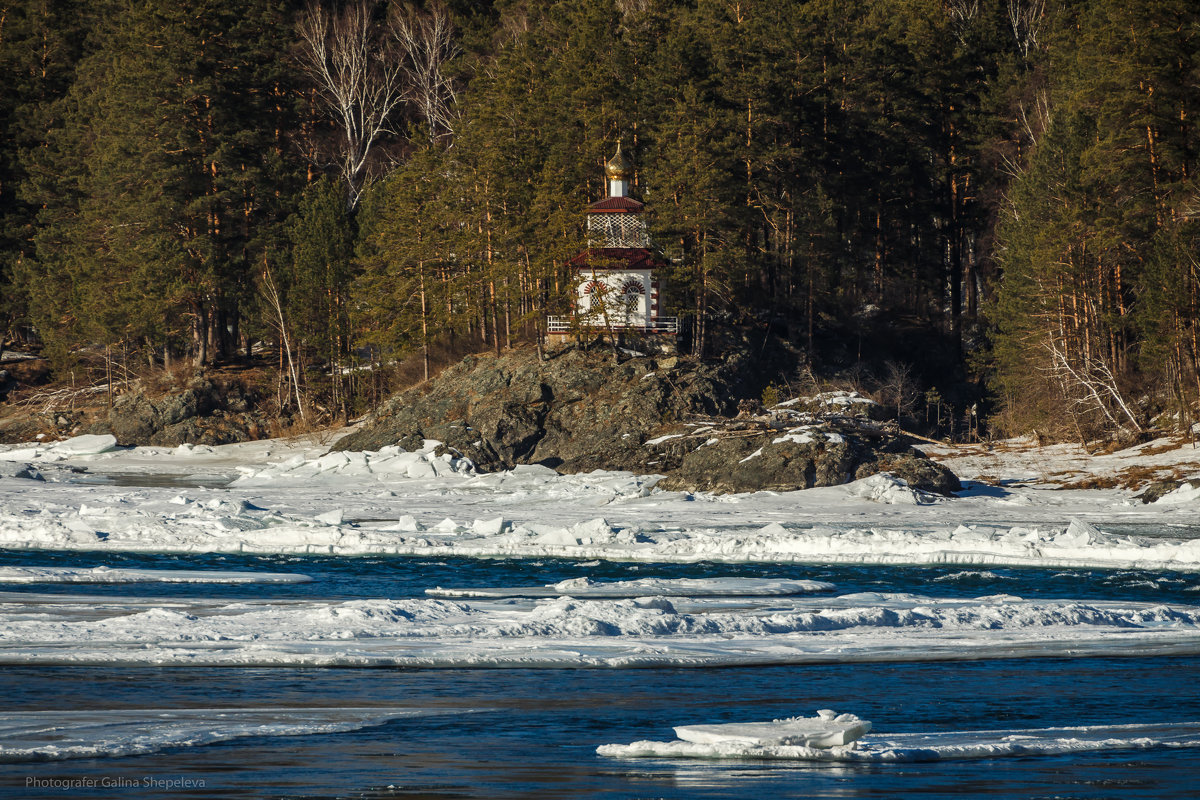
(316, 285)
(40, 43)
(405, 294)
(158, 180)
(1095, 231)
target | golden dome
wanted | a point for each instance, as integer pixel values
(618, 167)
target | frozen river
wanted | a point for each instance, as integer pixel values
(265, 620)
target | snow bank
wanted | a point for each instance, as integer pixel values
(921, 747)
(1186, 494)
(807, 434)
(568, 632)
(371, 503)
(387, 463)
(220, 524)
(838, 401)
(885, 487)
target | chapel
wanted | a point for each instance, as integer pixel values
(617, 283)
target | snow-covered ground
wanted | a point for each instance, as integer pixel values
(1021, 462)
(292, 497)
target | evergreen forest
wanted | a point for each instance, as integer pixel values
(984, 207)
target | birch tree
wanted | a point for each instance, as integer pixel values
(354, 63)
(425, 43)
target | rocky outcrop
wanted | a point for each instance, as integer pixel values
(205, 412)
(1157, 490)
(25, 428)
(783, 453)
(575, 411)
(579, 411)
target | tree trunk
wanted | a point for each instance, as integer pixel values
(199, 336)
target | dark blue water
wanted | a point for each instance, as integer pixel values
(537, 734)
(342, 577)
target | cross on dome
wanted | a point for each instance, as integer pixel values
(619, 170)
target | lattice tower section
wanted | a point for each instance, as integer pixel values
(617, 230)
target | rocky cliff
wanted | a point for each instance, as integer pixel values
(204, 412)
(577, 411)
(201, 411)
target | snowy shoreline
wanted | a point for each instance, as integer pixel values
(293, 498)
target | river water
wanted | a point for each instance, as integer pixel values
(525, 733)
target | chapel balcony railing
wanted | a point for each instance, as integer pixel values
(568, 324)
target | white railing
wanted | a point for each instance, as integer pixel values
(563, 324)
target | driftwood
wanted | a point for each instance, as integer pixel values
(46, 402)
(919, 437)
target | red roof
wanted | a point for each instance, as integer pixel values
(615, 205)
(616, 258)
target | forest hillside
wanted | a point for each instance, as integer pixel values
(984, 212)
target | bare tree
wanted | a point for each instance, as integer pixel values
(271, 294)
(1035, 121)
(425, 44)
(1026, 18)
(899, 388)
(962, 13)
(359, 77)
(1090, 385)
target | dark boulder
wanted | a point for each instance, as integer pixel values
(828, 452)
(915, 469)
(755, 464)
(1157, 490)
(196, 415)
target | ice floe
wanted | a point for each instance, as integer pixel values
(126, 575)
(387, 462)
(642, 587)
(88, 445)
(827, 729)
(938, 746)
(887, 488)
(15, 469)
(60, 735)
